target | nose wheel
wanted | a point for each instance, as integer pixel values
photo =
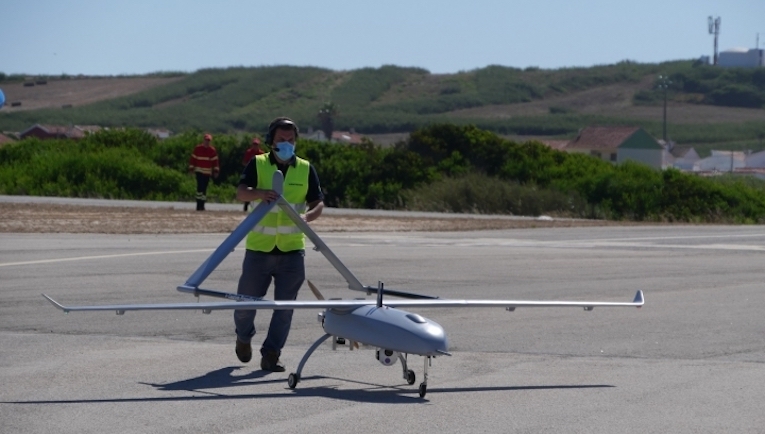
(424, 384)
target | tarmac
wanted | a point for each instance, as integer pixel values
(692, 360)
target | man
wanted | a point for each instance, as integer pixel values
(275, 248)
(204, 163)
(249, 154)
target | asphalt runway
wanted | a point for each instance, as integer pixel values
(692, 360)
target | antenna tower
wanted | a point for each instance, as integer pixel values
(714, 29)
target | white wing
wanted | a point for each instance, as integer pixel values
(638, 301)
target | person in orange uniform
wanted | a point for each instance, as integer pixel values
(249, 154)
(204, 163)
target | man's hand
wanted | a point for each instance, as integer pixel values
(268, 195)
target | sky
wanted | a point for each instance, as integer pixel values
(135, 37)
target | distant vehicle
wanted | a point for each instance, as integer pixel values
(2, 98)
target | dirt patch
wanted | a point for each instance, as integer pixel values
(47, 218)
(58, 93)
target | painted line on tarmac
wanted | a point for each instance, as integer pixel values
(741, 247)
(408, 240)
(85, 258)
(679, 237)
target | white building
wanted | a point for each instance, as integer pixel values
(742, 57)
(681, 157)
(317, 135)
(618, 144)
(756, 160)
(721, 161)
(159, 133)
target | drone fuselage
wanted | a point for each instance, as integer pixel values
(387, 328)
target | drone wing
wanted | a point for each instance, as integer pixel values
(638, 301)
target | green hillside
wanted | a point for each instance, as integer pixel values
(708, 106)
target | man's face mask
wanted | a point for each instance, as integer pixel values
(284, 150)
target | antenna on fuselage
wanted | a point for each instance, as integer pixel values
(379, 293)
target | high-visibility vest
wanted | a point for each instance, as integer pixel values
(276, 229)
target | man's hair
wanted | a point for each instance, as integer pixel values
(280, 123)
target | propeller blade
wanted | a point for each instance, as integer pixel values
(315, 290)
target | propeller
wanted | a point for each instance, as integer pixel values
(315, 290)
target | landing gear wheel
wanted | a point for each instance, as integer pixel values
(423, 390)
(410, 378)
(293, 380)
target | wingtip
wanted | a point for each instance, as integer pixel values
(55, 303)
(639, 300)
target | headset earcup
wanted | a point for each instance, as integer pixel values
(275, 124)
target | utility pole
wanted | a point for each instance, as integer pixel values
(731, 161)
(664, 84)
(714, 29)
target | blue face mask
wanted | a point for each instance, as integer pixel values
(284, 150)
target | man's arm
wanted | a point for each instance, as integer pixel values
(246, 191)
(314, 210)
(314, 197)
(215, 165)
(193, 160)
(249, 194)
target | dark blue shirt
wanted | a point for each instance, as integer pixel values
(250, 177)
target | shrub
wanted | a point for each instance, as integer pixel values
(479, 193)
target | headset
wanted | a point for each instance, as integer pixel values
(280, 123)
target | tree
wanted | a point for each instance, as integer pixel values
(327, 114)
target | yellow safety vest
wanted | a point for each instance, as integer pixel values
(276, 229)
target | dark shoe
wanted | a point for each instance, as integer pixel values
(243, 351)
(200, 205)
(271, 362)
